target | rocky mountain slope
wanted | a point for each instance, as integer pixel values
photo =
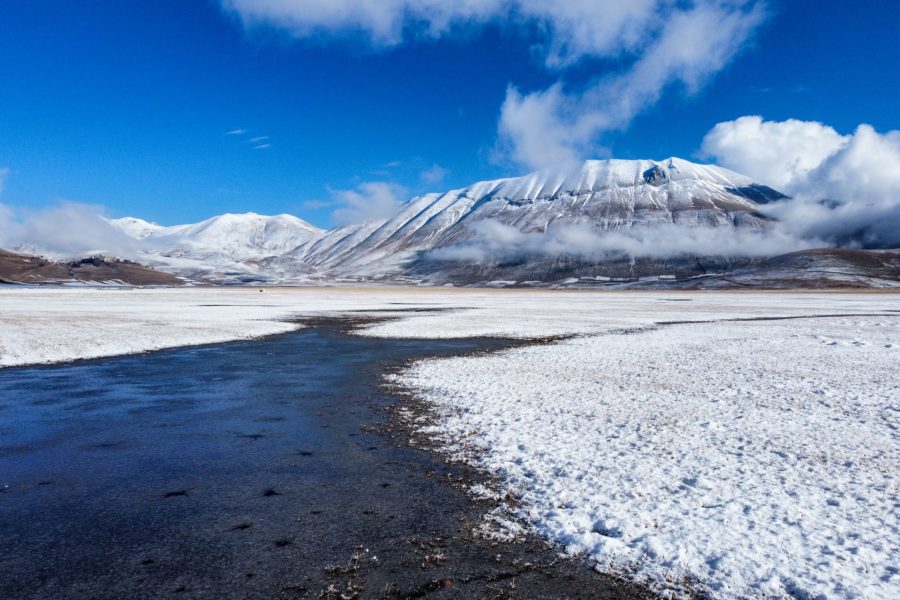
(36, 270)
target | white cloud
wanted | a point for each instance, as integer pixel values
(551, 126)
(495, 242)
(6, 213)
(259, 142)
(543, 128)
(774, 153)
(370, 201)
(7, 226)
(67, 229)
(845, 188)
(653, 43)
(434, 175)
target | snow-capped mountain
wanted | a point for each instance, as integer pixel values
(138, 229)
(618, 222)
(228, 247)
(601, 196)
(242, 236)
(641, 223)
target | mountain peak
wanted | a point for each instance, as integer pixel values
(592, 176)
(595, 196)
(134, 227)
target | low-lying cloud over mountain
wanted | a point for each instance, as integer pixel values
(845, 189)
(64, 230)
(494, 242)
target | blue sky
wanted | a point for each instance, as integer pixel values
(127, 103)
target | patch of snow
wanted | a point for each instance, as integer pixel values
(54, 325)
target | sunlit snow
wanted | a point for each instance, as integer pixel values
(743, 444)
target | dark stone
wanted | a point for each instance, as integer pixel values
(761, 194)
(656, 176)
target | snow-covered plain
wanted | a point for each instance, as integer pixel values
(745, 458)
(44, 325)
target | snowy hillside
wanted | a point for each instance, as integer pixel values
(603, 195)
(139, 229)
(672, 219)
(241, 236)
(228, 247)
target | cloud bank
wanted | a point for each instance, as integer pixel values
(646, 46)
(65, 230)
(845, 189)
(495, 242)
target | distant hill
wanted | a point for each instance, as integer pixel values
(227, 248)
(35, 270)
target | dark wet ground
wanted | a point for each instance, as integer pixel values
(245, 470)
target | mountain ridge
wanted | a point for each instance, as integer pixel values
(540, 227)
(611, 194)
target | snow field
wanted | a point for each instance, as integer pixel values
(749, 459)
(44, 325)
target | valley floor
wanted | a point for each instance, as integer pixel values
(739, 444)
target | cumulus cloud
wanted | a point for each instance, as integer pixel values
(67, 229)
(845, 189)
(494, 242)
(774, 153)
(645, 45)
(370, 201)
